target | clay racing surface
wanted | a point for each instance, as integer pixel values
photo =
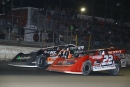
(32, 77)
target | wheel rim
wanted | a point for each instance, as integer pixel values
(116, 70)
(86, 68)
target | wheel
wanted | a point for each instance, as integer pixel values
(115, 71)
(41, 61)
(86, 69)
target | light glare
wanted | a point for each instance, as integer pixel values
(82, 9)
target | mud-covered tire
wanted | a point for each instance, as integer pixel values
(41, 61)
(115, 71)
(86, 68)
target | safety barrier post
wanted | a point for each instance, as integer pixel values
(77, 32)
(89, 42)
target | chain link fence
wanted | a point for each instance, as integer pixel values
(52, 27)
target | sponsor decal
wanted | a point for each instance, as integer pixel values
(114, 52)
(18, 57)
(77, 48)
(23, 58)
(96, 57)
(50, 52)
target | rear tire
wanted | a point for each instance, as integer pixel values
(41, 61)
(86, 69)
(115, 71)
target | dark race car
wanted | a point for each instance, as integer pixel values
(44, 57)
(91, 60)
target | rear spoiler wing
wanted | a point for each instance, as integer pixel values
(117, 51)
(76, 48)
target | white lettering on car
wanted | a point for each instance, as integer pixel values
(50, 52)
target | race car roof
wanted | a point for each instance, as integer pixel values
(59, 47)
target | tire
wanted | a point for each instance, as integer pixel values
(86, 68)
(115, 71)
(41, 61)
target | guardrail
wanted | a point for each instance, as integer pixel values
(8, 52)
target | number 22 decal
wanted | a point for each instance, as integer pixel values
(108, 60)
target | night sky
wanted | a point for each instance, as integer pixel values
(113, 11)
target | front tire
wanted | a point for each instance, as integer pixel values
(86, 69)
(115, 71)
(41, 61)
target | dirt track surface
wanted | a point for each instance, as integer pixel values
(31, 77)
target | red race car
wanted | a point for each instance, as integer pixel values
(91, 60)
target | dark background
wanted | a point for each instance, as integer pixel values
(113, 10)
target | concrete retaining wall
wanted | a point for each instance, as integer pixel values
(9, 52)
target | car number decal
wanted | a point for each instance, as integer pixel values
(64, 54)
(106, 64)
(108, 60)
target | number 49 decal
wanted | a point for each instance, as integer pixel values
(108, 60)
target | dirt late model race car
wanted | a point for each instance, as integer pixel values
(44, 57)
(91, 60)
